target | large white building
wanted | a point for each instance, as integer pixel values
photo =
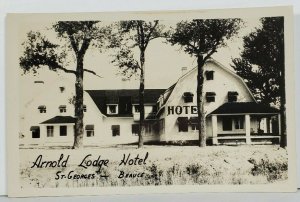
(111, 116)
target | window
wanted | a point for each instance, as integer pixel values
(161, 126)
(112, 109)
(63, 130)
(183, 124)
(125, 105)
(89, 130)
(232, 96)
(154, 109)
(35, 131)
(136, 108)
(239, 123)
(209, 75)
(135, 128)
(62, 89)
(50, 130)
(188, 97)
(148, 128)
(115, 130)
(210, 96)
(62, 108)
(42, 108)
(227, 123)
(194, 123)
(84, 108)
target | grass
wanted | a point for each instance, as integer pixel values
(166, 165)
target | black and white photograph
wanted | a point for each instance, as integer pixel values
(148, 102)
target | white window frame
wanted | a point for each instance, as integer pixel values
(240, 122)
(52, 133)
(108, 109)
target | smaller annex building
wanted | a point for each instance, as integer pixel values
(112, 116)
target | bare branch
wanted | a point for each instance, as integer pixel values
(92, 72)
(57, 66)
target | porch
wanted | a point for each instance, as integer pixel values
(246, 126)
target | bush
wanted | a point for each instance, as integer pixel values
(272, 170)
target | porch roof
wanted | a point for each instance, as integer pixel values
(244, 108)
(60, 119)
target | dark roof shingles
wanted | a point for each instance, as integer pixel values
(104, 97)
(60, 119)
(244, 107)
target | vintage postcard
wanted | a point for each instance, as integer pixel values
(150, 102)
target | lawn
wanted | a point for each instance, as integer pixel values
(164, 165)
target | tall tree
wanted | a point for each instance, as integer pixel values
(262, 65)
(75, 39)
(131, 35)
(202, 38)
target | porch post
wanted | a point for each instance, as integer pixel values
(247, 128)
(279, 125)
(271, 126)
(214, 124)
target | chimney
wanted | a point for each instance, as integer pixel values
(38, 86)
(183, 70)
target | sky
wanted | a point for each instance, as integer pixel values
(163, 62)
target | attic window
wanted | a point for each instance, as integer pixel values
(209, 75)
(62, 89)
(188, 97)
(210, 96)
(62, 108)
(42, 108)
(232, 96)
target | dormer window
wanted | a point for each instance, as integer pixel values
(62, 89)
(137, 108)
(210, 96)
(209, 75)
(232, 96)
(62, 108)
(84, 108)
(42, 108)
(188, 97)
(112, 109)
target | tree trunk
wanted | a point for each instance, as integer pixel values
(200, 102)
(78, 133)
(141, 100)
(283, 138)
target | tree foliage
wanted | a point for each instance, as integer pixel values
(67, 54)
(262, 65)
(262, 60)
(202, 38)
(130, 41)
